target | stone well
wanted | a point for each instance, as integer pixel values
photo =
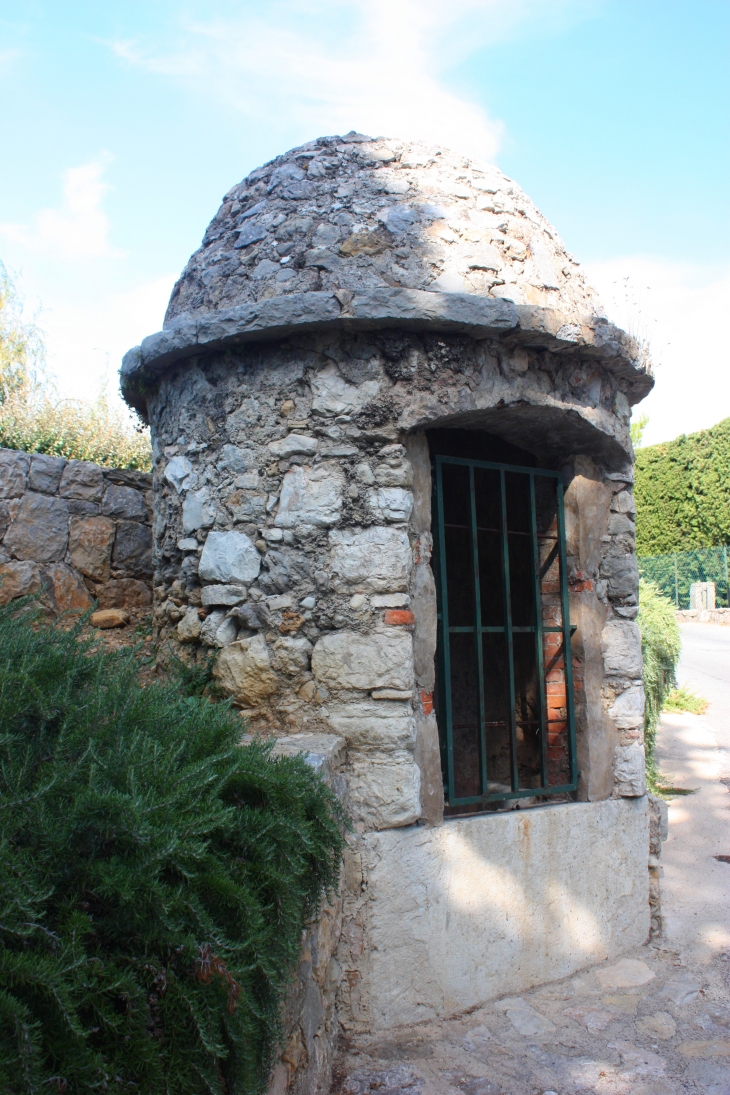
(358, 311)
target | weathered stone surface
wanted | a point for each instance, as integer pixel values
(107, 618)
(311, 496)
(384, 789)
(292, 656)
(629, 973)
(40, 529)
(390, 504)
(178, 471)
(189, 627)
(333, 395)
(621, 647)
(125, 593)
(660, 1025)
(294, 443)
(622, 574)
(198, 510)
(218, 629)
(18, 580)
(229, 558)
(349, 660)
(45, 473)
(133, 549)
(630, 770)
(244, 671)
(223, 595)
(65, 590)
(82, 480)
(13, 472)
(377, 560)
(326, 753)
(374, 727)
(90, 546)
(525, 1019)
(627, 710)
(464, 914)
(123, 502)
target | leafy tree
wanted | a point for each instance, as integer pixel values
(155, 876)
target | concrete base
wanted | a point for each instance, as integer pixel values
(492, 905)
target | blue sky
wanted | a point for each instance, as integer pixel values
(124, 124)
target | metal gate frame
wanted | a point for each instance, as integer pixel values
(444, 631)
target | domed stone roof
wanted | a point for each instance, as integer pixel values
(358, 214)
(359, 231)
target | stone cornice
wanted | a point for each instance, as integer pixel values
(410, 309)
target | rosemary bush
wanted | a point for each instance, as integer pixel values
(661, 646)
(155, 876)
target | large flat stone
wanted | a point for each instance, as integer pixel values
(133, 549)
(229, 558)
(621, 648)
(390, 504)
(383, 789)
(40, 529)
(374, 727)
(13, 473)
(18, 580)
(333, 395)
(90, 546)
(82, 480)
(65, 589)
(311, 496)
(123, 502)
(45, 472)
(198, 510)
(476, 909)
(349, 660)
(374, 560)
(627, 710)
(125, 593)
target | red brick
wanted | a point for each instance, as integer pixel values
(399, 617)
(427, 702)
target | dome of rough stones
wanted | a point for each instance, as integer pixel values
(352, 214)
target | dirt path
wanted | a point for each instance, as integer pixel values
(657, 1022)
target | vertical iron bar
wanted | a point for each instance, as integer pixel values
(445, 631)
(478, 635)
(567, 649)
(508, 635)
(539, 655)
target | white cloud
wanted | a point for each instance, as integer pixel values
(80, 229)
(379, 66)
(681, 310)
(87, 336)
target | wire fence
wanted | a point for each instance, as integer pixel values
(675, 573)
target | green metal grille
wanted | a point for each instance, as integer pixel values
(504, 692)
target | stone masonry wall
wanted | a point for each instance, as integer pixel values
(75, 530)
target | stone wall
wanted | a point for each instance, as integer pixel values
(293, 536)
(78, 532)
(704, 616)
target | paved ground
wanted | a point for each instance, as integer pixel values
(657, 1022)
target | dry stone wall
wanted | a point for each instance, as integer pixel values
(76, 531)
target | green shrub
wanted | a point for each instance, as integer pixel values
(36, 420)
(682, 492)
(155, 876)
(33, 416)
(661, 645)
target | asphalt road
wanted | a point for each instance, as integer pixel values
(693, 751)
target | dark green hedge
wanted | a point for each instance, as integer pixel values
(683, 492)
(155, 877)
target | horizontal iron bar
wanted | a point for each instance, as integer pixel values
(532, 792)
(498, 467)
